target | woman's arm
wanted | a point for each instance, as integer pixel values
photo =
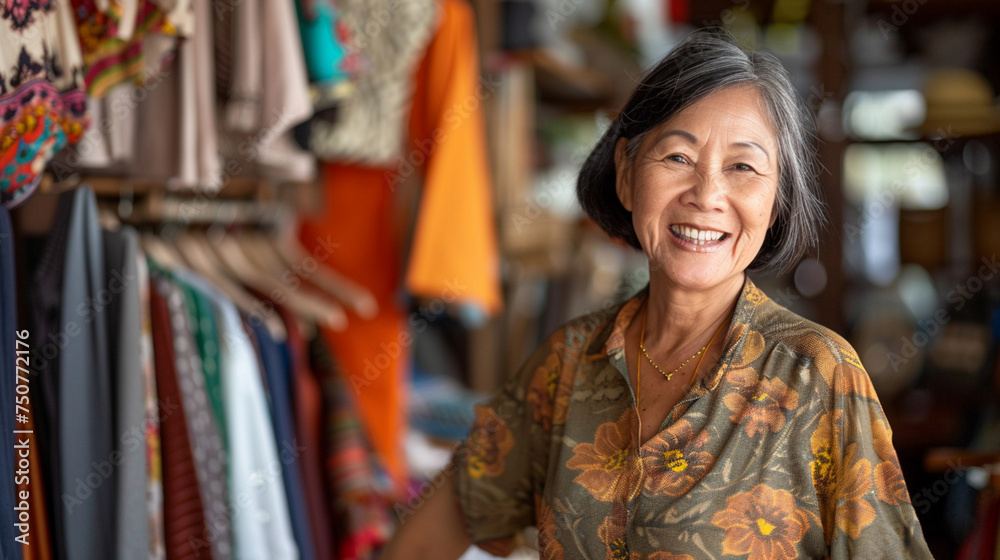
(434, 531)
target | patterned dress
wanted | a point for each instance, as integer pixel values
(42, 104)
(781, 451)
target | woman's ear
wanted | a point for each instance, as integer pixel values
(623, 179)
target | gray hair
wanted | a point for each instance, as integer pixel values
(708, 61)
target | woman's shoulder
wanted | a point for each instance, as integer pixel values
(807, 355)
(781, 327)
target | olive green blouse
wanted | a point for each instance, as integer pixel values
(781, 451)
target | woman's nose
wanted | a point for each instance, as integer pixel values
(706, 191)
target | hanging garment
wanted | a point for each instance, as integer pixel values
(179, 104)
(260, 525)
(151, 424)
(324, 54)
(206, 442)
(124, 316)
(981, 543)
(111, 36)
(289, 446)
(371, 128)
(454, 255)
(269, 92)
(351, 237)
(205, 329)
(45, 295)
(128, 49)
(89, 479)
(308, 410)
(39, 545)
(352, 471)
(454, 258)
(10, 377)
(42, 104)
(183, 512)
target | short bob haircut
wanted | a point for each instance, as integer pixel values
(705, 62)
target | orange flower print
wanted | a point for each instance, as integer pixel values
(608, 464)
(753, 346)
(740, 373)
(549, 394)
(755, 296)
(822, 466)
(548, 546)
(762, 523)
(853, 512)
(672, 464)
(489, 442)
(838, 364)
(612, 533)
(701, 440)
(764, 409)
(889, 484)
(841, 482)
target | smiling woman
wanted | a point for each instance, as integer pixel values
(701, 188)
(767, 442)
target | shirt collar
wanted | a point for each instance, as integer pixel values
(610, 343)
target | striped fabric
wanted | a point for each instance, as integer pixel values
(184, 516)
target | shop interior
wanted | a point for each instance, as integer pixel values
(384, 193)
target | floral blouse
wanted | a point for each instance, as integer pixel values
(781, 451)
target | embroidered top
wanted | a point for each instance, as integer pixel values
(42, 104)
(780, 451)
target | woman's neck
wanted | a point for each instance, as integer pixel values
(678, 318)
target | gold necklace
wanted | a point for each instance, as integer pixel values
(642, 337)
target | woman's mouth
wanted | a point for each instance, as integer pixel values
(700, 238)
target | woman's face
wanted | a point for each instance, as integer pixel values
(702, 188)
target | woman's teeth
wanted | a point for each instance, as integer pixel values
(696, 236)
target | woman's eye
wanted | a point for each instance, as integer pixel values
(678, 158)
(742, 167)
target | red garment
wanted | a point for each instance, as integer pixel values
(981, 543)
(183, 511)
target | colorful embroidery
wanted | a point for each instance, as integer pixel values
(21, 13)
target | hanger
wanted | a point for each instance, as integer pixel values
(285, 248)
(304, 304)
(163, 254)
(203, 261)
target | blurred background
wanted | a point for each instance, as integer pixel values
(408, 171)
